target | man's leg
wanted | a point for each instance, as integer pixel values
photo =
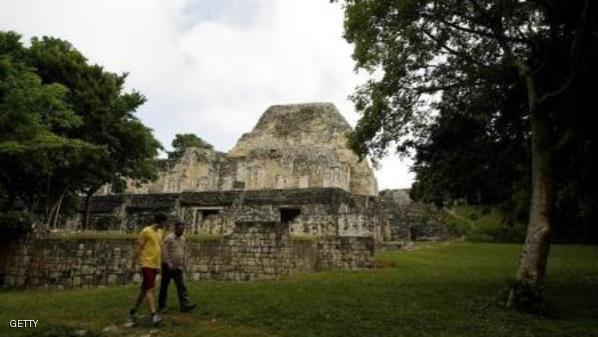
(138, 300)
(147, 286)
(164, 283)
(181, 289)
(149, 295)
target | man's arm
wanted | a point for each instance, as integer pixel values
(184, 266)
(138, 247)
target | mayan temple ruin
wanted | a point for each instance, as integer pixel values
(288, 197)
(294, 167)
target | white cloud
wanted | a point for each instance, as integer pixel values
(209, 67)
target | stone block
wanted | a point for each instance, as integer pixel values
(112, 279)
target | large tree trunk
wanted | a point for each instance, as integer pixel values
(532, 267)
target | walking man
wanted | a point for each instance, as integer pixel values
(173, 264)
(148, 251)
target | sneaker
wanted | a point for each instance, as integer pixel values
(162, 310)
(132, 316)
(156, 319)
(189, 307)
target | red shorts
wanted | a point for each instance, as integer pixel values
(149, 278)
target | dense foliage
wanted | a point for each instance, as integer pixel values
(66, 128)
(455, 83)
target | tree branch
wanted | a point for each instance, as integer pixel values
(453, 51)
(480, 32)
(530, 84)
(434, 88)
(496, 27)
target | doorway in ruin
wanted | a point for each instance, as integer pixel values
(208, 221)
(288, 214)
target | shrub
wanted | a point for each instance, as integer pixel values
(483, 224)
(17, 222)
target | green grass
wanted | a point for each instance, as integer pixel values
(437, 290)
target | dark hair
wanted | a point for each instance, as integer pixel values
(160, 218)
(180, 223)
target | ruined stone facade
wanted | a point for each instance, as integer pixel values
(405, 219)
(294, 163)
(304, 212)
(291, 146)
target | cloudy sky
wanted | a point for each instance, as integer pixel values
(210, 67)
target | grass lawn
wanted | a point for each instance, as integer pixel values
(438, 290)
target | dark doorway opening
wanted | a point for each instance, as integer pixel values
(208, 221)
(289, 214)
(207, 212)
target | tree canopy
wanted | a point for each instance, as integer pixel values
(66, 127)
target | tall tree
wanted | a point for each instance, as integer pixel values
(35, 148)
(89, 108)
(430, 48)
(108, 116)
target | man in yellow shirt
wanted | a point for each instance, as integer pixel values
(148, 251)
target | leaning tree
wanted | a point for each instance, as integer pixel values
(420, 52)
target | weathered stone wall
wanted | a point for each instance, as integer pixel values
(404, 219)
(321, 212)
(50, 263)
(270, 167)
(255, 251)
(197, 170)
